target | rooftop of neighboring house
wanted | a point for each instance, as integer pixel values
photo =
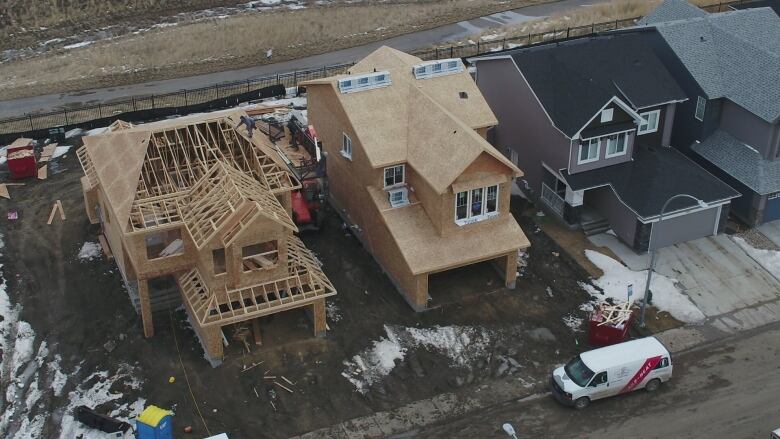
(137, 166)
(774, 4)
(733, 55)
(573, 80)
(428, 122)
(652, 177)
(741, 162)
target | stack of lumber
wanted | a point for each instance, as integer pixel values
(612, 315)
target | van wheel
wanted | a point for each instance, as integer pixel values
(653, 385)
(582, 403)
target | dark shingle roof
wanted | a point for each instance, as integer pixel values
(574, 79)
(672, 10)
(652, 177)
(740, 161)
(733, 55)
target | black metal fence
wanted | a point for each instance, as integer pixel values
(229, 94)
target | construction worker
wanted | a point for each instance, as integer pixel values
(250, 124)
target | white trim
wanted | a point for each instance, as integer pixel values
(607, 115)
(662, 103)
(372, 81)
(657, 113)
(579, 151)
(607, 155)
(608, 134)
(717, 220)
(620, 104)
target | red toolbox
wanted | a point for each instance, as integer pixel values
(21, 159)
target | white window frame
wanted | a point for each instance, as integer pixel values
(607, 114)
(588, 143)
(644, 127)
(701, 108)
(484, 214)
(346, 146)
(773, 196)
(395, 183)
(404, 201)
(618, 136)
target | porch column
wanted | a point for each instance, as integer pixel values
(507, 265)
(146, 308)
(418, 295)
(319, 318)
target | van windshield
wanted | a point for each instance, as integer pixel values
(578, 371)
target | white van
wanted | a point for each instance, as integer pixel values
(612, 370)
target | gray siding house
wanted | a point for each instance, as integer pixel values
(728, 65)
(590, 123)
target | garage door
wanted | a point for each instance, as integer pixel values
(683, 228)
(772, 209)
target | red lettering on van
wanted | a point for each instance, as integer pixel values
(642, 373)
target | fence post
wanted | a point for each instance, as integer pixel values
(593, 28)
(477, 47)
(100, 111)
(277, 78)
(66, 116)
(529, 39)
(451, 52)
(152, 102)
(437, 53)
(503, 44)
(133, 100)
(567, 32)
(295, 78)
(185, 97)
(32, 128)
(616, 24)
(324, 72)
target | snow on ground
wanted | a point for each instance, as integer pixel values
(666, 295)
(74, 133)
(332, 311)
(99, 393)
(90, 251)
(769, 259)
(573, 322)
(96, 131)
(462, 344)
(77, 45)
(60, 151)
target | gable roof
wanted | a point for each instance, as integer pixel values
(573, 80)
(672, 10)
(733, 55)
(422, 122)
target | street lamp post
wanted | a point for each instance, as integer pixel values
(652, 251)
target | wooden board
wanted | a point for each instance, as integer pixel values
(47, 152)
(43, 172)
(4, 192)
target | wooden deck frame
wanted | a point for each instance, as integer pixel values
(304, 285)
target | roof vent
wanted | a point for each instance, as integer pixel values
(463, 95)
(442, 67)
(352, 84)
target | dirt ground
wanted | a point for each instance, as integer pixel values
(81, 310)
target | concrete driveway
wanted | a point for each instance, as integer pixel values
(731, 288)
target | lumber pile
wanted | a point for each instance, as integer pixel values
(613, 315)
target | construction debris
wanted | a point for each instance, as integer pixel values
(57, 206)
(283, 387)
(4, 192)
(47, 152)
(43, 172)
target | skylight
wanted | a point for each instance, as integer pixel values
(367, 81)
(441, 67)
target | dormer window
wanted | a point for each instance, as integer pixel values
(394, 176)
(366, 81)
(430, 69)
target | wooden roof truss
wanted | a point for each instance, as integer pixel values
(224, 202)
(305, 282)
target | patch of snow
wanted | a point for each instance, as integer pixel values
(332, 311)
(96, 131)
(463, 345)
(573, 322)
(60, 379)
(491, 37)
(90, 251)
(769, 259)
(60, 151)
(75, 132)
(77, 45)
(666, 295)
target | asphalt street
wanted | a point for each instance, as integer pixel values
(412, 41)
(728, 390)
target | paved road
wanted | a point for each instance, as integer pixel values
(727, 390)
(406, 42)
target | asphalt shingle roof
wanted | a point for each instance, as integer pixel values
(741, 162)
(672, 10)
(654, 175)
(574, 79)
(733, 55)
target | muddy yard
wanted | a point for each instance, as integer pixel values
(71, 336)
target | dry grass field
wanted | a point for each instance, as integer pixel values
(232, 42)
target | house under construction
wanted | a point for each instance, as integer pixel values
(196, 211)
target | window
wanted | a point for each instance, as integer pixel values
(452, 65)
(663, 363)
(346, 146)
(578, 371)
(773, 196)
(260, 256)
(476, 202)
(430, 69)
(491, 200)
(701, 106)
(218, 259)
(606, 115)
(461, 205)
(599, 380)
(394, 175)
(437, 67)
(399, 197)
(363, 81)
(589, 151)
(164, 244)
(649, 122)
(616, 145)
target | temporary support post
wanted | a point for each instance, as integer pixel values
(318, 317)
(146, 308)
